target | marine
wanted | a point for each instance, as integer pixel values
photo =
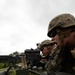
(62, 31)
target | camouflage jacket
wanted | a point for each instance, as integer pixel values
(61, 61)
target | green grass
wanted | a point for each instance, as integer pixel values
(3, 69)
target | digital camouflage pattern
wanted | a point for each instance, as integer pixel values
(46, 42)
(63, 21)
(53, 65)
(60, 21)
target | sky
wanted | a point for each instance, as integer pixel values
(23, 23)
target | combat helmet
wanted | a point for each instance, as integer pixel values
(62, 20)
(46, 43)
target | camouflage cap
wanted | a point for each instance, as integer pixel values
(63, 21)
(45, 42)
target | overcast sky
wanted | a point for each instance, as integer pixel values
(23, 23)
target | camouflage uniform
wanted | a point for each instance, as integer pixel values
(57, 65)
(45, 43)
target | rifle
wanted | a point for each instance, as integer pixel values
(28, 55)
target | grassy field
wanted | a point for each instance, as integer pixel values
(3, 69)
